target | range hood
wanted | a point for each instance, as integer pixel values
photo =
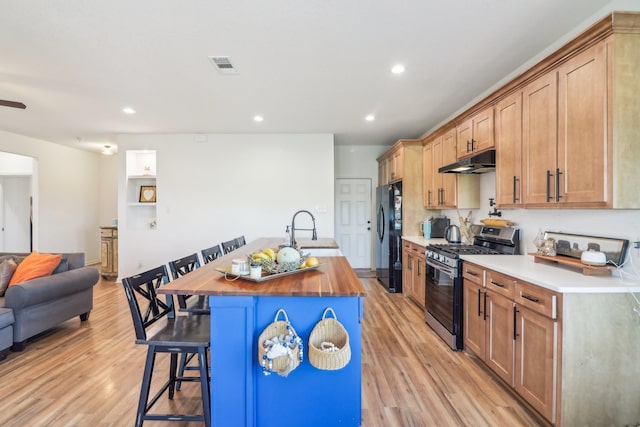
(480, 163)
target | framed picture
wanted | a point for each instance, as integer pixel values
(147, 194)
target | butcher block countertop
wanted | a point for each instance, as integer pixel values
(334, 276)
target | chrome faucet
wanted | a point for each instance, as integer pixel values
(314, 236)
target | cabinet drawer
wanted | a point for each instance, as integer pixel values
(473, 273)
(537, 299)
(106, 232)
(501, 284)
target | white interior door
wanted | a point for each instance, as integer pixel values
(353, 220)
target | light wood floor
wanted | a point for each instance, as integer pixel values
(88, 374)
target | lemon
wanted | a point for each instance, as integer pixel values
(311, 261)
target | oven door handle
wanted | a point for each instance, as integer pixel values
(445, 269)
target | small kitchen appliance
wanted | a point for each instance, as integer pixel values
(438, 226)
(443, 293)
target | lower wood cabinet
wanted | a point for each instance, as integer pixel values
(512, 327)
(413, 272)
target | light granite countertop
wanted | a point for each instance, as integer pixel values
(554, 277)
(551, 276)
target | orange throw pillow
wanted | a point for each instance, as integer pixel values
(35, 265)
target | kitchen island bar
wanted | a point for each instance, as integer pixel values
(241, 395)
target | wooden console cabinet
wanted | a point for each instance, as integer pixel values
(109, 252)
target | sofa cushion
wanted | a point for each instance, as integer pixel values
(35, 265)
(6, 317)
(62, 266)
(7, 268)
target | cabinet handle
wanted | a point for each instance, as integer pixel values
(473, 143)
(515, 180)
(500, 285)
(485, 306)
(472, 273)
(419, 273)
(549, 175)
(409, 261)
(558, 173)
(515, 323)
(479, 292)
(428, 197)
(530, 298)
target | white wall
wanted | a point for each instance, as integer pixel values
(108, 205)
(217, 187)
(358, 161)
(66, 195)
(615, 223)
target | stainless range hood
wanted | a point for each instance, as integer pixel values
(480, 163)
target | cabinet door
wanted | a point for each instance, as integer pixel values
(499, 335)
(483, 138)
(419, 283)
(536, 360)
(449, 180)
(398, 164)
(539, 139)
(429, 198)
(473, 320)
(508, 128)
(383, 179)
(464, 132)
(391, 168)
(582, 137)
(437, 148)
(407, 273)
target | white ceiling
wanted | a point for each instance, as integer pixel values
(307, 66)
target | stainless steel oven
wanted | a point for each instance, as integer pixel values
(443, 295)
(443, 304)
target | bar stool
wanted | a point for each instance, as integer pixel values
(180, 267)
(178, 335)
(209, 254)
(229, 246)
(240, 241)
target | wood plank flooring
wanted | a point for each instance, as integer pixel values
(88, 374)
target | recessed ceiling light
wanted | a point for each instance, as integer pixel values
(107, 150)
(398, 69)
(370, 118)
(128, 110)
(258, 118)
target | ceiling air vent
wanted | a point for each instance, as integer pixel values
(223, 64)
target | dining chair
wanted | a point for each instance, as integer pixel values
(163, 334)
(229, 246)
(209, 254)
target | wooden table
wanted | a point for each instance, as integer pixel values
(241, 394)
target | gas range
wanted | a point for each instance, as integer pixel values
(443, 281)
(488, 241)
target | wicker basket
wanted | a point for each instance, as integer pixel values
(329, 344)
(278, 338)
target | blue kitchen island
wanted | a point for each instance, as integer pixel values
(241, 394)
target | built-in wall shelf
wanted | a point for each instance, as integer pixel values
(141, 189)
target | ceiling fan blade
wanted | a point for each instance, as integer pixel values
(12, 104)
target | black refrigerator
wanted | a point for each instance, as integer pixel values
(389, 236)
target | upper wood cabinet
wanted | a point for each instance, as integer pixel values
(564, 139)
(440, 189)
(475, 134)
(508, 130)
(447, 190)
(403, 162)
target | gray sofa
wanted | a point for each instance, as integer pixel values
(40, 304)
